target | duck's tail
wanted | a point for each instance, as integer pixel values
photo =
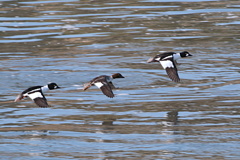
(86, 86)
(19, 97)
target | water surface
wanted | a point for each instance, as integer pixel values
(70, 42)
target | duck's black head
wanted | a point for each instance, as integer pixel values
(52, 86)
(117, 75)
(185, 54)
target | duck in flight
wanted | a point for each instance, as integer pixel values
(36, 94)
(104, 82)
(168, 62)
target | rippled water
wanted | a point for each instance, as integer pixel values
(70, 42)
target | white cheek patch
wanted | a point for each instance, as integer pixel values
(35, 95)
(167, 64)
(98, 84)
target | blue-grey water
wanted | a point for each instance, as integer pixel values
(72, 41)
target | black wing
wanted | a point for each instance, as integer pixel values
(107, 90)
(41, 102)
(173, 74)
(111, 85)
(102, 83)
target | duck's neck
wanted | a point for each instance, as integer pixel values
(45, 88)
(110, 78)
(176, 56)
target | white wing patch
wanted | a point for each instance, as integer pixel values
(35, 95)
(98, 84)
(167, 64)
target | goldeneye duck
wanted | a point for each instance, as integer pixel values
(168, 62)
(36, 94)
(104, 83)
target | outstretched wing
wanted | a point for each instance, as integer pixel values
(111, 85)
(173, 74)
(38, 97)
(41, 102)
(105, 87)
(171, 69)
